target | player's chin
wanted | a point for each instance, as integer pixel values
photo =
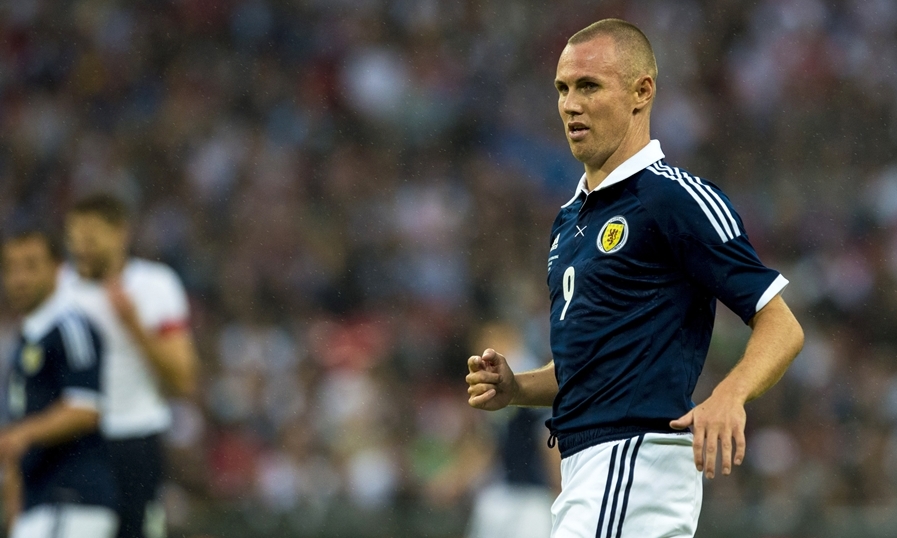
(580, 151)
(92, 269)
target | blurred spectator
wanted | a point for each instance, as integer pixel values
(516, 501)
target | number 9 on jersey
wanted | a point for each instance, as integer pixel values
(569, 278)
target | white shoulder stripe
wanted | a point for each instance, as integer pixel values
(74, 345)
(709, 196)
(78, 343)
(723, 205)
(89, 355)
(710, 216)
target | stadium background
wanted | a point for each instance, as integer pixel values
(350, 188)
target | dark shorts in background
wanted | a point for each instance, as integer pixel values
(137, 464)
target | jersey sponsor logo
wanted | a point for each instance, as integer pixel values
(32, 359)
(613, 235)
(554, 245)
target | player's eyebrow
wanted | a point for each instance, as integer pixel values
(559, 83)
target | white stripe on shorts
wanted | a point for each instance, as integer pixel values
(631, 488)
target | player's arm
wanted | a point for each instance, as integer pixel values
(173, 356)
(171, 353)
(492, 385)
(63, 421)
(12, 492)
(775, 340)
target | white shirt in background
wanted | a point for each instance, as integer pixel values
(135, 405)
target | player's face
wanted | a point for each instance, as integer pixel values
(29, 273)
(596, 103)
(94, 244)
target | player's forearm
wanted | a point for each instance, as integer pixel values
(12, 493)
(173, 357)
(536, 388)
(59, 423)
(776, 339)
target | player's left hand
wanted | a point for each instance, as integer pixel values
(718, 425)
(13, 445)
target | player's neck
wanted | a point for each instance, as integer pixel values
(116, 267)
(627, 148)
(40, 301)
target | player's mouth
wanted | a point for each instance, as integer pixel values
(577, 131)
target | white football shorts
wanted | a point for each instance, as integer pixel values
(66, 521)
(643, 487)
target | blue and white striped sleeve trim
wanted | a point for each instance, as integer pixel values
(716, 210)
(79, 348)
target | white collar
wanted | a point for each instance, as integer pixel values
(644, 158)
(40, 320)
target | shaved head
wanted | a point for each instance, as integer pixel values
(633, 48)
(605, 83)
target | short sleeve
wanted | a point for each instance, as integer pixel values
(79, 369)
(707, 239)
(160, 299)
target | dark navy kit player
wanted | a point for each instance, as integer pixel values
(637, 260)
(57, 476)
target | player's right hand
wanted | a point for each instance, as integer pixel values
(123, 304)
(491, 383)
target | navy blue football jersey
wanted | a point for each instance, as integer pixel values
(58, 357)
(635, 268)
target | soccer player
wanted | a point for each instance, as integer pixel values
(57, 475)
(637, 260)
(141, 311)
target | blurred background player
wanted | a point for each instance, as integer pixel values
(57, 476)
(517, 502)
(141, 310)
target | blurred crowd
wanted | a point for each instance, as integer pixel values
(351, 189)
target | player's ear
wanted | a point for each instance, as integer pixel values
(644, 91)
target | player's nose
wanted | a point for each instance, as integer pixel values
(570, 105)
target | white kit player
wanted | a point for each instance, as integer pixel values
(141, 311)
